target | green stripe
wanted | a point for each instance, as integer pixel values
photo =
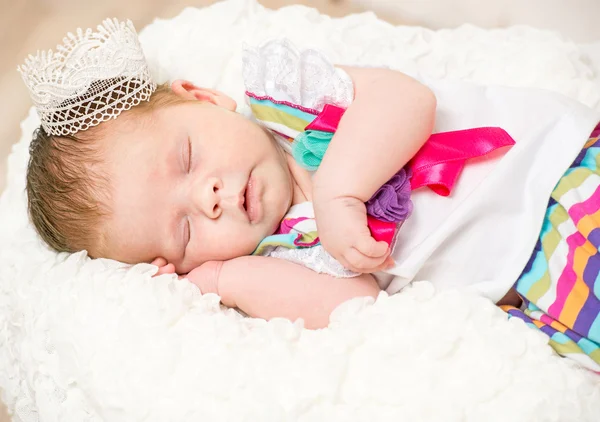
(302, 115)
(571, 181)
(553, 238)
(539, 288)
(273, 115)
(550, 242)
(595, 355)
(569, 348)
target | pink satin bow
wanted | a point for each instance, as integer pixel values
(442, 158)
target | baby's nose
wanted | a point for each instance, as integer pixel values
(208, 198)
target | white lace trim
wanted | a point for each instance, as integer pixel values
(315, 258)
(278, 70)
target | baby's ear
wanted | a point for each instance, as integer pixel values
(189, 91)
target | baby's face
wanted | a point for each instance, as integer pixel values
(191, 183)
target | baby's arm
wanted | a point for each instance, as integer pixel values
(266, 288)
(389, 120)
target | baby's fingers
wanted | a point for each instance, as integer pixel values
(360, 263)
(165, 269)
(159, 262)
(368, 246)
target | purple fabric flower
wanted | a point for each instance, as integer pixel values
(392, 202)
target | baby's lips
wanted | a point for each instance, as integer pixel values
(382, 230)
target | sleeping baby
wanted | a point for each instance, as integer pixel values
(340, 182)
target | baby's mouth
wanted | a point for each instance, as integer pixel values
(252, 204)
(245, 199)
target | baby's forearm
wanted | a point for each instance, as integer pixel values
(267, 288)
(390, 119)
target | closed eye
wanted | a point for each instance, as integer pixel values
(189, 157)
(187, 232)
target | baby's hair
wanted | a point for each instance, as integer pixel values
(68, 195)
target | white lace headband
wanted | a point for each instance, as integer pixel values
(90, 78)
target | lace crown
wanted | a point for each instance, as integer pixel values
(90, 78)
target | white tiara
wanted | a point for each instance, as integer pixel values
(92, 77)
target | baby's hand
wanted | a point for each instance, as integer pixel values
(343, 231)
(163, 267)
(205, 277)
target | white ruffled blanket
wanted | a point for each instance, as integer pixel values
(84, 340)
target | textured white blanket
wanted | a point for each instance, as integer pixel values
(84, 340)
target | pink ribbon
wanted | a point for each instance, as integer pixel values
(441, 159)
(328, 120)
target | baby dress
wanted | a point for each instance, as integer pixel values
(301, 98)
(527, 217)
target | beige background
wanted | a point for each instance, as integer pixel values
(575, 19)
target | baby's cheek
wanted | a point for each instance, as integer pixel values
(249, 244)
(237, 241)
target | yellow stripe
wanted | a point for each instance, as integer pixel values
(261, 248)
(550, 242)
(595, 355)
(566, 349)
(273, 115)
(571, 181)
(559, 216)
(553, 238)
(539, 288)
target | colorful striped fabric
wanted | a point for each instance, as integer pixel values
(560, 285)
(282, 117)
(294, 233)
